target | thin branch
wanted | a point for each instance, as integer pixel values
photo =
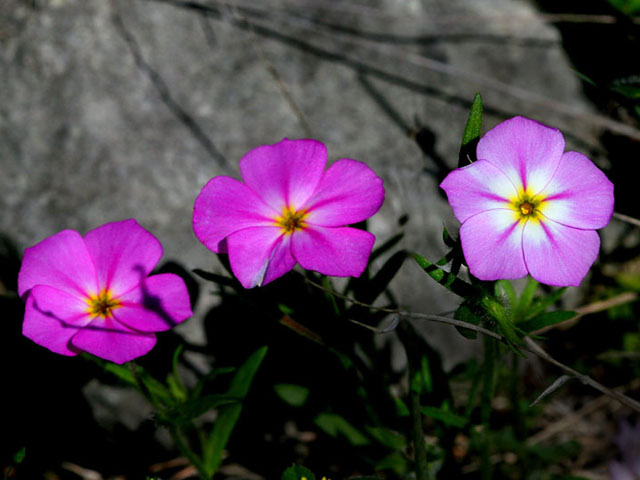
(407, 314)
(585, 379)
(531, 346)
(566, 422)
(626, 218)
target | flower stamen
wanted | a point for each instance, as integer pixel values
(101, 305)
(526, 208)
(291, 220)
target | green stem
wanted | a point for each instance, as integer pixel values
(415, 386)
(187, 452)
(490, 352)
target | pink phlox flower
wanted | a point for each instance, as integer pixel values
(289, 210)
(94, 293)
(528, 207)
(628, 441)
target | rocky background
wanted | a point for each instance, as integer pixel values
(118, 109)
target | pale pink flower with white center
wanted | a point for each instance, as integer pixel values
(528, 207)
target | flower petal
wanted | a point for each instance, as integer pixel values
(579, 194)
(159, 303)
(109, 339)
(556, 254)
(477, 188)
(492, 245)
(224, 206)
(349, 192)
(525, 150)
(61, 261)
(286, 173)
(340, 252)
(124, 254)
(52, 317)
(259, 255)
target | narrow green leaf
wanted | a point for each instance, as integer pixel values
(18, 457)
(444, 278)
(546, 319)
(219, 436)
(187, 411)
(472, 132)
(294, 395)
(464, 313)
(229, 414)
(444, 416)
(242, 379)
(525, 300)
(335, 425)
(540, 305)
(380, 281)
(504, 287)
(388, 438)
(297, 472)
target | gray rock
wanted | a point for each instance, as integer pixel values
(119, 109)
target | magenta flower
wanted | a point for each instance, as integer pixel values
(527, 207)
(288, 211)
(94, 294)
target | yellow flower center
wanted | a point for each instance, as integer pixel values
(291, 220)
(527, 205)
(526, 208)
(102, 304)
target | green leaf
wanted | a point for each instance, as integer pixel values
(121, 371)
(631, 342)
(294, 395)
(380, 282)
(158, 391)
(297, 472)
(546, 319)
(630, 281)
(504, 287)
(526, 298)
(464, 313)
(244, 376)
(472, 132)
(229, 414)
(388, 438)
(444, 278)
(401, 408)
(187, 411)
(585, 78)
(444, 416)
(540, 305)
(394, 461)
(494, 308)
(335, 425)
(18, 457)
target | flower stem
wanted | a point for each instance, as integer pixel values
(490, 352)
